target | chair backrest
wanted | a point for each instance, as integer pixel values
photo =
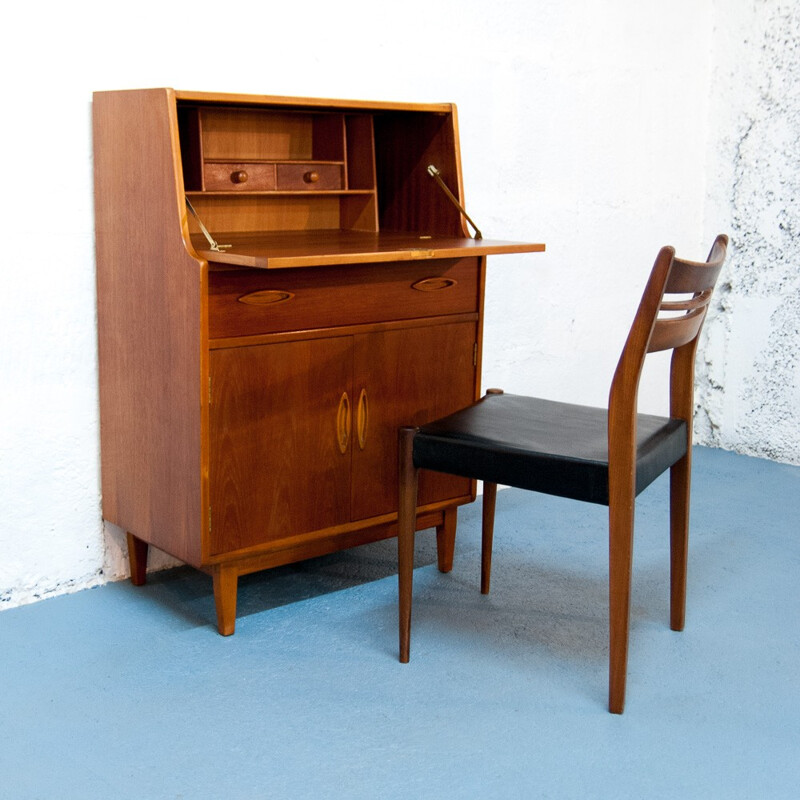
(662, 324)
(687, 278)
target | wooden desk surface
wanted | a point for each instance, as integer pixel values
(280, 250)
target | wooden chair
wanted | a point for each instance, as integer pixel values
(599, 455)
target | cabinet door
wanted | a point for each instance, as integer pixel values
(279, 465)
(406, 377)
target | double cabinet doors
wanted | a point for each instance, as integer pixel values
(303, 434)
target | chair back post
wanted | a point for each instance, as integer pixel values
(704, 277)
(623, 396)
(681, 383)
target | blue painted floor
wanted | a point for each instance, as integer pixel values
(125, 692)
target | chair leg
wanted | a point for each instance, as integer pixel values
(446, 539)
(621, 516)
(680, 477)
(406, 527)
(487, 534)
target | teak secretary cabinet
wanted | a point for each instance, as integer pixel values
(253, 375)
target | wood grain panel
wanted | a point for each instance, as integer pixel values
(245, 134)
(359, 212)
(409, 199)
(360, 152)
(248, 212)
(410, 377)
(276, 468)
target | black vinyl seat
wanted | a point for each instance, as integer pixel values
(544, 446)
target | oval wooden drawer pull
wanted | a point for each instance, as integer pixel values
(239, 176)
(311, 176)
(434, 284)
(266, 297)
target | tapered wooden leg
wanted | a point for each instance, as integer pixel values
(487, 528)
(620, 567)
(446, 540)
(406, 525)
(487, 534)
(226, 584)
(137, 556)
(679, 484)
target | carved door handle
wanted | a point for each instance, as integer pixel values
(343, 421)
(362, 417)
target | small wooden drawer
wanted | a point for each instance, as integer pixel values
(309, 177)
(238, 177)
(249, 302)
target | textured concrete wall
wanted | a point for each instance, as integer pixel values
(749, 384)
(583, 124)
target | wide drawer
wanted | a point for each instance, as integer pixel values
(224, 176)
(248, 302)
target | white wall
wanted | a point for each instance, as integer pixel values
(583, 124)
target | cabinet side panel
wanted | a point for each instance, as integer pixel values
(150, 301)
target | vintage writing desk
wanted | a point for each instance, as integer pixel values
(252, 380)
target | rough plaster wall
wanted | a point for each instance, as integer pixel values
(582, 125)
(749, 383)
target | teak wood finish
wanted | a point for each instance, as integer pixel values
(605, 456)
(250, 395)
